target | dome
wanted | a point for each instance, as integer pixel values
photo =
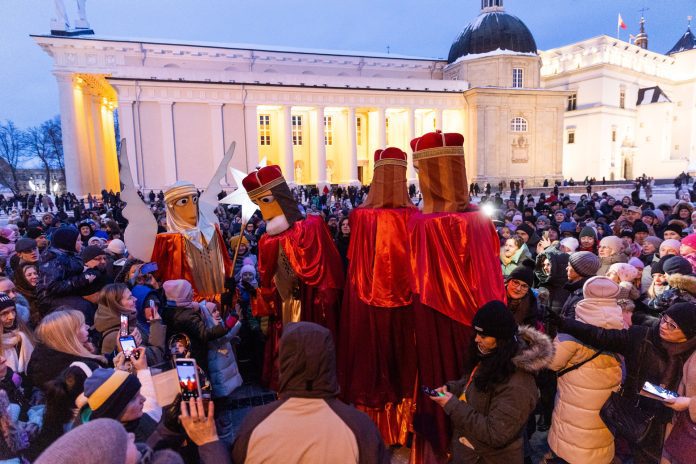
(491, 31)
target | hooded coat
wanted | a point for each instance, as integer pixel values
(222, 364)
(578, 434)
(308, 423)
(493, 421)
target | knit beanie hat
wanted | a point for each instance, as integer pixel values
(523, 273)
(524, 227)
(588, 231)
(543, 220)
(91, 252)
(494, 319)
(637, 263)
(600, 287)
(677, 265)
(24, 245)
(675, 228)
(585, 263)
(65, 238)
(640, 226)
(109, 391)
(117, 247)
(669, 244)
(689, 240)
(35, 232)
(6, 301)
(614, 243)
(657, 267)
(517, 217)
(571, 243)
(654, 241)
(650, 213)
(179, 293)
(625, 271)
(567, 227)
(101, 441)
(684, 315)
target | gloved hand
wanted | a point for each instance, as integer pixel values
(170, 415)
(556, 319)
(231, 321)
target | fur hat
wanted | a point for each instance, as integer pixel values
(600, 287)
(494, 319)
(614, 243)
(675, 228)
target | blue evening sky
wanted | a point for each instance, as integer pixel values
(28, 93)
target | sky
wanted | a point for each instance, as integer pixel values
(28, 90)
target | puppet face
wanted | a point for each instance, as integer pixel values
(273, 214)
(186, 209)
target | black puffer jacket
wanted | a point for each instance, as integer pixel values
(575, 296)
(46, 363)
(60, 275)
(552, 291)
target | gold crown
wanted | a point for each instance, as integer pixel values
(178, 190)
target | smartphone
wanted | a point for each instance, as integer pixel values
(128, 346)
(123, 332)
(148, 268)
(659, 391)
(189, 383)
(431, 391)
(546, 235)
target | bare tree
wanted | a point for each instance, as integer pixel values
(55, 136)
(39, 147)
(12, 146)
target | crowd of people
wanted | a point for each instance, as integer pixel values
(600, 296)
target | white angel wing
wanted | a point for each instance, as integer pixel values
(141, 232)
(208, 200)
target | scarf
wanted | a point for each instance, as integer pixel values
(678, 353)
(17, 361)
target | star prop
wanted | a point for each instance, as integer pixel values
(240, 197)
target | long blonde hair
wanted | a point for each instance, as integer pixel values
(58, 331)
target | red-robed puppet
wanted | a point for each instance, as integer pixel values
(300, 270)
(376, 353)
(192, 248)
(455, 269)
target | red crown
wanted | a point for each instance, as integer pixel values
(262, 180)
(437, 143)
(390, 155)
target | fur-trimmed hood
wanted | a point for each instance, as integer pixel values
(683, 282)
(536, 350)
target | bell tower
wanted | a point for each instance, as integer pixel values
(488, 6)
(642, 37)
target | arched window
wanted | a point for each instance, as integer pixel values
(518, 125)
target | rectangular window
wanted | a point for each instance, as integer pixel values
(517, 78)
(358, 130)
(613, 136)
(622, 99)
(264, 129)
(573, 102)
(571, 137)
(328, 130)
(297, 130)
(386, 131)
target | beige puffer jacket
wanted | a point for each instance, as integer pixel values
(577, 433)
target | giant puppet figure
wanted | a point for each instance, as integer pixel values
(376, 353)
(300, 270)
(455, 270)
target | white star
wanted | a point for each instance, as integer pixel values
(240, 197)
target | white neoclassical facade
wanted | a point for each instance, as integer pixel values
(319, 114)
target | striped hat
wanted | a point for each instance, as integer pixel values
(109, 391)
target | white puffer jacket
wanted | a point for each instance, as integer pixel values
(577, 433)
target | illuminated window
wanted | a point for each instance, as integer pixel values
(358, 130)
(571, 137)
(622, 99)
(297, 130)
(517, 78)
(328, 130)
(573, 102)
(264, 129)
(518, 125)
(386, 131)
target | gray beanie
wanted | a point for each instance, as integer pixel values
(585, 263)
(655, 241)
(101, 441)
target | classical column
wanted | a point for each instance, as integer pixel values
(287, 162)
(73, 174)
(216, 133)
(320, 158)
(438, 119)
(251, 137)
(352, 148)
(168, 147)
(410, 135)
(381, 129)
(126, 127)
(99, 143)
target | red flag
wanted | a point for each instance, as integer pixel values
(622, 24)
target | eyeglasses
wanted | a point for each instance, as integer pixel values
(668, 322)
(519, 284)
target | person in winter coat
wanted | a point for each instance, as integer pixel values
(512, 253)
(528, 234)
(611, 250)
(588, 240)
(17, 340)
(581, 266)
(653, 354)
(681, 285)
(183, 315)
(687, 250)
(586, 378)
(626, 277)
(222, 365)
(489, 407)
(308, 423)
(62, 275)
(521, 300)
(552, 274)
(667, 248)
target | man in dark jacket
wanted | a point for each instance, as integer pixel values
(308, 423)
(581, 266)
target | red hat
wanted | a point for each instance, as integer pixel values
(390, 155)
(263, 180)
(689, 240)
(434, 144)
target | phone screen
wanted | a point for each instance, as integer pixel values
(148, 268)
(188, 378)
(127, 345)
(124, 326)
(659, 391)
